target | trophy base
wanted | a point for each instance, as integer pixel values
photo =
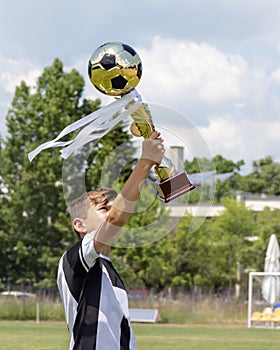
(174, 187)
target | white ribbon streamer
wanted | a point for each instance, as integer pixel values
(96, 125)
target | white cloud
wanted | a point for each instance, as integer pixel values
(275, 76)
(225, 134)
(13, 72)
(244, 139)
(187, 69)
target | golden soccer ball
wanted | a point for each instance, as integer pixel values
(115, 68)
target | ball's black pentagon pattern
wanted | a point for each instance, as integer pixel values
(119, 82)
(98, 88)
(89, 69)
(139, 70)
(129, 49)
(108, 61)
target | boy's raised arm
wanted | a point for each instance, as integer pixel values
(124, 204)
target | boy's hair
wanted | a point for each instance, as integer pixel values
(79, 207)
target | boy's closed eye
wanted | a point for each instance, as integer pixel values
(103, 209)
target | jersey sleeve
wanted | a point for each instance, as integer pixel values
(72, 272)
(87, 252)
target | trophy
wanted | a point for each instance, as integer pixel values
(115, 69)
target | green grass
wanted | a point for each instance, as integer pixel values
(26, 335)
(54, 336)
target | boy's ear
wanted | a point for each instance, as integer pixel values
(78, 225)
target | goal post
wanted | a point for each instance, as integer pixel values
(256, 301)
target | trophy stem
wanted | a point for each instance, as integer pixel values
(164, 172)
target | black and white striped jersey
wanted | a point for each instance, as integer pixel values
(94, 299)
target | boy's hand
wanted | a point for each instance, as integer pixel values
(153, 149)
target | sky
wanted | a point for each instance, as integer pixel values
(214, 62)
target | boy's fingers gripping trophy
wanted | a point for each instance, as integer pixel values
(153, 149)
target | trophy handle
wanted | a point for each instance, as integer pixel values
(143, 124)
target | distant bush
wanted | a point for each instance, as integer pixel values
(184, 310)
(13, 309)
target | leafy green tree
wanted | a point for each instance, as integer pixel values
(267, 223)
(228, 187)
(229, 233)
(198, 165)
(265, 177)
(34, 189)
(185, 259)
(36, 224)
(209, 257)
(218, 165)
(193, 258)
(144, 238)
(226, 166)
(5, 246)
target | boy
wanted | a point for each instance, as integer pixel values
(92, 293)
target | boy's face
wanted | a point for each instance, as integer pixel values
(96, 215)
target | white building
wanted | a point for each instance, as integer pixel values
(255, 202)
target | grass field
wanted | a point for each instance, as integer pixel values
(54, 336)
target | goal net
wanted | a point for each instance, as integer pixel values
(264, 300)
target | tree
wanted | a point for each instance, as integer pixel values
(267, 223)
(265, 177)
(187, 255)
(217, 165)
(208, 258)
(226, 166)
(228, 236)
(198, 165)
(144, 238)
(36, 224)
